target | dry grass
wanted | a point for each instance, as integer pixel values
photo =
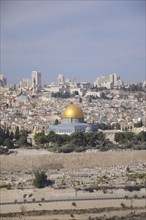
(91, 159)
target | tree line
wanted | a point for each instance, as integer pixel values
(13, 139)
(131, 140)
(80, 141)
(77, 141)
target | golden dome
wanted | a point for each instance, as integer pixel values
(73, 111)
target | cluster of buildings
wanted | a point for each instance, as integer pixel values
(110, 82)
(85, 88)
(33, 83)
(33, 107)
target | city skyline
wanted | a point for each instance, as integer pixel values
(81, 40)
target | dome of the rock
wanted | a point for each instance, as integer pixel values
(73, 111)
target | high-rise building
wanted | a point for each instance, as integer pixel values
(36, 79)
(3, 81)
(60, 79)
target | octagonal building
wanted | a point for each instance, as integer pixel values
(73, 121)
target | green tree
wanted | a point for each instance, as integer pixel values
(52, 137)
(11, 135)
(78, 139)
(23, 132)
(138, 124)
(22, 141)
(40, 139)
(119, 137)
(37, 138)
(101, 136)
(90, 139)
(22, 138)
(7, 142)
(40, 179)
(56, 122)
(129, 136)
(1, 140)
(93, 138)
(16, 135)
(142, 136)
(1, 136)
(7, 134)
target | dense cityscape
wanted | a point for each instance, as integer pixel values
(108, 102)
(72, 110)
(73, 141)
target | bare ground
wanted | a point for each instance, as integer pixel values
(31, 160)
(28, 160)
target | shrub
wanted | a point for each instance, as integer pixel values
(73, 204)
(123, 205)
(132, 188)
(24, 196)
(30, 195)
(66, 149)
(9, 186)
(40, 179)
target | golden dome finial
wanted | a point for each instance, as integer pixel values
(73, 111)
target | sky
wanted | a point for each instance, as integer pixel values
(79, 38)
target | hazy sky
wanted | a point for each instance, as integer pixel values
(81, 39)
